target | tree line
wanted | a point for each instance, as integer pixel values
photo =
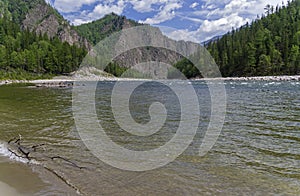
(25, 50)
(267, 46)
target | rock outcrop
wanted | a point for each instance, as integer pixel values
(44, 19)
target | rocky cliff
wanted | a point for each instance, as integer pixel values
(44, 19)
(39, 17)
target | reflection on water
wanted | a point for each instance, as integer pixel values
(257, 152)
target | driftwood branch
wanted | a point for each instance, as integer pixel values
(11, 151)
(68, 161)
(25, 152)
(10, 141)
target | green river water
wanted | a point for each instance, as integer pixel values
(257, 153)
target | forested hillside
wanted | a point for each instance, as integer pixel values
(36, 40)
(97, 30)
(41, 18)
(24, 50)
(16, 10)
(268, 46)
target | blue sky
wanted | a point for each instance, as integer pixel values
(193, 20)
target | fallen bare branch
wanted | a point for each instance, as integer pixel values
(66, 160)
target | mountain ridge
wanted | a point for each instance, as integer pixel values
(97, 30)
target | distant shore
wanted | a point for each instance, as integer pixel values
(68, 81)
(258, 78)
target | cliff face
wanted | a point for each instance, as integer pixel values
(39, 17)
(154, 62)
(40, 20)
(149, 54)
(100, 29)
(44, 19)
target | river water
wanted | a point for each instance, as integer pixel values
(258, 151)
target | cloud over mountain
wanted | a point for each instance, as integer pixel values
(194, 20)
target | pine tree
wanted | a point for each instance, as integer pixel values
(267, 46)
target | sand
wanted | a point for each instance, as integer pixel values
(6, 190)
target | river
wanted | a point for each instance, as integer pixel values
(258, 151)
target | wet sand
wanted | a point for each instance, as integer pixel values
(19, 179)
(7, 190)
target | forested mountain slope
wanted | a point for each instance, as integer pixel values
(97, 30)
(39, 17)
(268, 46)
(26, 51)
(36, 39)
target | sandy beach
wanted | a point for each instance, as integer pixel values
(7, 190)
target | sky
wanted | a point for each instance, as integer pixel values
(190, 20)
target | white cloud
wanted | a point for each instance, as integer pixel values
(226, 23)
(72, 9)
(208, 17)
(216, 9)
(238, 5)
(50, 2)
(259, 6)
(67, 6)
(193, 19)
(209, 29)
(100, 10)
(79, 21)
(233, 6)
(182, 34)
(221, 16)
(143, 6)
(194, 5)
(103, 9)
(167, 12)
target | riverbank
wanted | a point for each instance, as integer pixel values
(64, 81)
(7, 190)
(6, 82)
(258, 78)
